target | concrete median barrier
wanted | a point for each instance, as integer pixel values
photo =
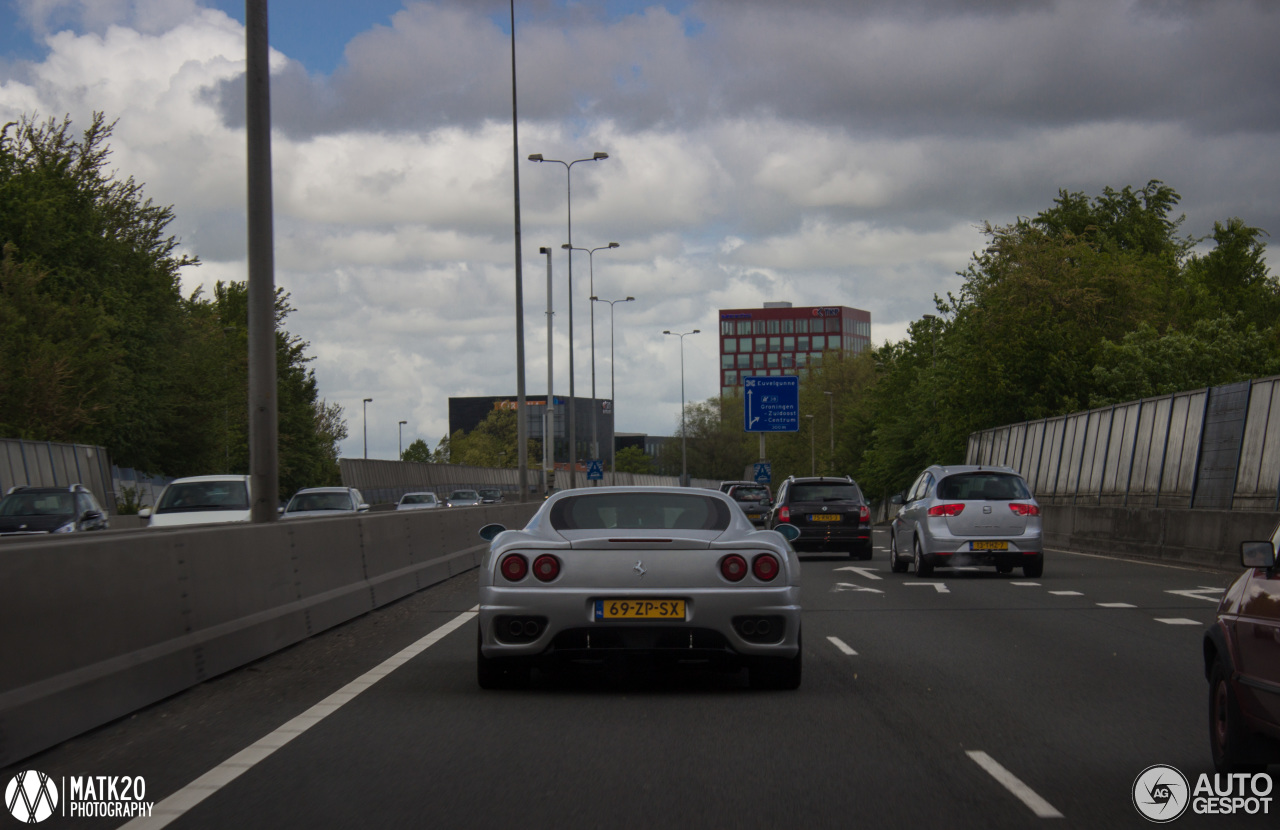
(99, 625)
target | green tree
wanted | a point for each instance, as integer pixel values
(634, 460)
(417, 451)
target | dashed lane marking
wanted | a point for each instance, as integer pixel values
(1026, 584)
(1177, 621)
(937, 586)
(1116, 605)
(215, 779)
(1025, 794)
(840, 644)
(1066, 593)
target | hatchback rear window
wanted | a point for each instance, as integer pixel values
(983, 487)
(640, 511)
(204, 495)
(825, 492)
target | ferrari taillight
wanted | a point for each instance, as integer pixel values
(733, 567)
(514, 567)
(546, 567)
(765, 567)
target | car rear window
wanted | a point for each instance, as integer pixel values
(640, 511)
(319, 501)
(749, 494)
(983, 487)
(420, 498)
(825, 492)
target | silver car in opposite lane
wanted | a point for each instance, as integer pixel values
(314, 502)
(967, 515)
(671, 573)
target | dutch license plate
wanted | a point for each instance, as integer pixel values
(639, 609)
(824, 517)
(988, 546)
(754, 516)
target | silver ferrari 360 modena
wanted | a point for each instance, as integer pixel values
(675, 574)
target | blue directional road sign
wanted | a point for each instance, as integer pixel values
(773, 404)
(595, 470)
(764, 472)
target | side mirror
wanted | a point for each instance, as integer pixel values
(144, 513)
(1257, 555)
(280, 510)
(489, 532)
(362, 508)
(896, 498)
(90, 516)
(789, 532)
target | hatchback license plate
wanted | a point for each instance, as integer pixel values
(639, 609)
(988, 546)
(824, 517)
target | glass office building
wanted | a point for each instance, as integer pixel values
(781, 339)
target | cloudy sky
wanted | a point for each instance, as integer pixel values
(815, 151)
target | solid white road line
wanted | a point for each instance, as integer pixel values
(1116, 605)
(1025, 794)
(1066, 593)
(1177, 621)
(840, 644)
(215, 779)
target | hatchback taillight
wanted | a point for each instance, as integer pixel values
(1025, 509)
(946, 509)
(864, 513)
(784, 513)
(546, 567)
(514, 567)
(765, 567)
(733, 567)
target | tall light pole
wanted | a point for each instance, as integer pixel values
(813, 458)
(591, 284)
(401, 431)
(568, 178)
(613, 401)
(367, 401)
(522, 425)
(549, 419)
(831, 412)
(684, 438)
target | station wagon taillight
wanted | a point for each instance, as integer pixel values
(733, 567)
(864, 513)
(1024, 509)
(765, 567)
(546, 567)
(514, 567)
(946, 510)
(784, 513)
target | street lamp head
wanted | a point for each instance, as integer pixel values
(628, 299)
(594, 299)
(696, 331)
(368, 400)
(614, 245)
(929, 316)
(402, 423)
(567, 246)
(596, 156)
(666, 332)
(536, 157)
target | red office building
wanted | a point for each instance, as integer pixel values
(780, 339)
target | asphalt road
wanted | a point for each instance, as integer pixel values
(919, 696)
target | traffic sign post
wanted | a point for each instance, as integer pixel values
(773, 404)
(595, 470)
(764, 472)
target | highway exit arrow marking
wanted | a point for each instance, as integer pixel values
(845, 586)
(1195, 593)
(865, 573)
(937, 586)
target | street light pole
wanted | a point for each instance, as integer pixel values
(613, 401)
(684, 438)
(522, 424)
(367, 401)
(813, 458)
(401, 430)
(831, 411)
(549, 418)
(591, 284)
(568, 178)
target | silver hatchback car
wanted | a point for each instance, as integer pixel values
(967, 515)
